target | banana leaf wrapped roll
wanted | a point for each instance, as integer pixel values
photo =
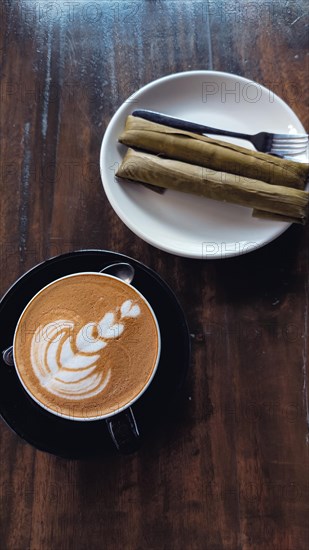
(181, 176)
(214, 154)
(270, 216)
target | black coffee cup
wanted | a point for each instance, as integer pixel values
(121, 423)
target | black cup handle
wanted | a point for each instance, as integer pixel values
(124, 431)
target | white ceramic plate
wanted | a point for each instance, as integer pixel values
(183, 224)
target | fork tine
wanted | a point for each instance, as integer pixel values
(291, 146)
(288, 152)
(292, 149)
(284, 140)
(303, 140)
(290, 136)
(288, 145)
(290, 142)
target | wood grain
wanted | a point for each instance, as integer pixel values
(231, 471)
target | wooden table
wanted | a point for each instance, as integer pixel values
(230, 472)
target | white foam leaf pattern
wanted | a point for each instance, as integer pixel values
(108, 328)
(68, 367)
(129, 310)
(75, 361)
(86, 342)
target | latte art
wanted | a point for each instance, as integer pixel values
(69, 369)
(86, 346)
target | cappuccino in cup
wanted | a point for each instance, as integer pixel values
(86, 346)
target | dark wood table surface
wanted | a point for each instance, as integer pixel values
(230, 469)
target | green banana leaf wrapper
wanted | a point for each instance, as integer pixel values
(143, 167)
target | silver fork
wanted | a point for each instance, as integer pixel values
(275, 144)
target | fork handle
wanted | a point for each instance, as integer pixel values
(180, 124)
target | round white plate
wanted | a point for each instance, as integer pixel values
(187, 225)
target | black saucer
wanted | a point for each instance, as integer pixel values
(75, 439)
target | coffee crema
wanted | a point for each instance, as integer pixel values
(86, 346)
